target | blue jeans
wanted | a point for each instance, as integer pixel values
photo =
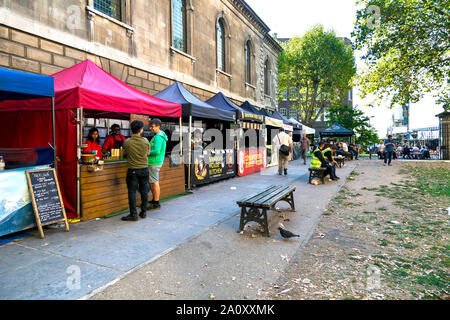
(137, 180)
(388, 154)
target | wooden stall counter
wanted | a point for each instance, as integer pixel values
(105, 192)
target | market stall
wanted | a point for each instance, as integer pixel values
(289, 127)
(252, 150)
(85, 91)
(18, 154)
(272, 126)
(207, 157)
(336, 130)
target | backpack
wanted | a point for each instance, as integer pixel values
(284, 149)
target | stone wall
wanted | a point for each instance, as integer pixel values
(47, 36)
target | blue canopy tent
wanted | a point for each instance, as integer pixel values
(336, 130)
(285, 120)
(222, 102)
(17, 85)
(247, 106)
(193, 106)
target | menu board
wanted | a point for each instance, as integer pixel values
(212, 165)
(46, 198)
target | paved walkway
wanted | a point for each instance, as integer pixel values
(102, 252)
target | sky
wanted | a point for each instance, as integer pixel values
(288, 18)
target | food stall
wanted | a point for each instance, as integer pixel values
(18, 153)
(84, 91)
(252, 155)
(206, 155)
(272, 128)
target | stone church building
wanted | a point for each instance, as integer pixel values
(207, 45)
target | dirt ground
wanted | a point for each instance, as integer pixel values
(384, 236)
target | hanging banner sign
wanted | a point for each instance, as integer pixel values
(251, 160)
(274, 122)
(288, 127)
(251, 116)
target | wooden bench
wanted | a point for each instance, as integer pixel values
(254, 207)
(317, 173)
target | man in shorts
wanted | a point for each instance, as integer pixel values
(155, 160)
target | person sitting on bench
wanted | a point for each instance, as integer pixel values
(318, 161)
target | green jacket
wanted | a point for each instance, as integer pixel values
(157, 149)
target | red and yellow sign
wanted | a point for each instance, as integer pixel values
(251, 160)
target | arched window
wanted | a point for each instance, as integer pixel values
(179, 25)
(267, 77)
(248, 62)
(221, 45)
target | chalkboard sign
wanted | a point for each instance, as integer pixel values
(46, 198)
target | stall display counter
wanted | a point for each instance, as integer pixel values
(105, 191)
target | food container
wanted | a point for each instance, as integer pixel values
(87, 157)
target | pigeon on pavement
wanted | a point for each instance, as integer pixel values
(287, 234)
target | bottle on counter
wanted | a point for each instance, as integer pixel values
(2, 163)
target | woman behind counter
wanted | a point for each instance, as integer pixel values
(93, 143)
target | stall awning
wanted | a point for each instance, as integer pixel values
(270, 120)
(222, 102)
(287, 125)
(255, 114)
(193, 106)
(295, 123)
(89, 86)
(308, 130)
(336, 130)
(16, 85)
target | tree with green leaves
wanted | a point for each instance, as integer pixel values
(317, 69)
(353, 119)
(406, 47)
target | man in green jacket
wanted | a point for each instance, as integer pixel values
(156, 159)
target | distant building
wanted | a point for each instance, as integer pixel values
(400, 122)
(286, 109)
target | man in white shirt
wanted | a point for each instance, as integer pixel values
(344, 146)
(282, 138)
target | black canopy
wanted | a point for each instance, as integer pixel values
(279, 116)
(193, 106)
(336, 130)
(256, 114)
(220, 101)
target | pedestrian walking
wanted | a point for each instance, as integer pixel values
(389, 150)
(136, 150)
(156, 160)
(304, 147)
(283, 142)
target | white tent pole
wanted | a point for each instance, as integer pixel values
(190, 152)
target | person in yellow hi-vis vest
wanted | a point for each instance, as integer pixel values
(318, 160)
(328, 155)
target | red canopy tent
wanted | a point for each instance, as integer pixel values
(82, 85)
